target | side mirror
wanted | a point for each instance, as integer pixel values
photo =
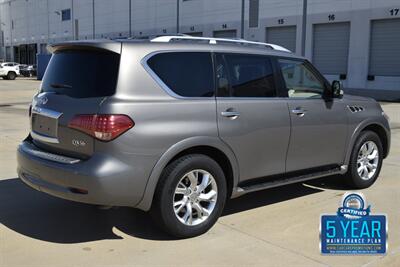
(337, 89)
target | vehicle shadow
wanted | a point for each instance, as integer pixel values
(335, 182)
(47, 218)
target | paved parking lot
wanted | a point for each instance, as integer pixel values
(276, 227)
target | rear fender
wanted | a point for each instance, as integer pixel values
(215, 142)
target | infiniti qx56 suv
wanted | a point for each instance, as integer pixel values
(178, 125)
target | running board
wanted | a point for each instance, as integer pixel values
(289, 180)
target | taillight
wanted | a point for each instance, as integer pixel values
(104, 127)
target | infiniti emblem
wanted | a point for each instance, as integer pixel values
(42, 100)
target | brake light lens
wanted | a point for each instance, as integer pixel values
(104, 127)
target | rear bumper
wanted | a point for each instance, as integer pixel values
(102, 179)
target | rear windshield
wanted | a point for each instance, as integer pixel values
(82, 74)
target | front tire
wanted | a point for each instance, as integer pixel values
(11, 75)
(366, 161)
(190, 196)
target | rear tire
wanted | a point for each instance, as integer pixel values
(11, 75)
(365, 161)
(190, 196)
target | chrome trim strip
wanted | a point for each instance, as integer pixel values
(46, 112)
(31, 150)
(44, 138)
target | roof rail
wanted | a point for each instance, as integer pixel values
(210, 40)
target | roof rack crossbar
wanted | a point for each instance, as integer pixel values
(210, 40)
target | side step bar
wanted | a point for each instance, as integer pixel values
(289, 180)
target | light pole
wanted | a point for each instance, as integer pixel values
(11, 33)
(130, 18)
(304, 29)
(2, 36)
(3, 49)
(72, 21)
(242, 22)
(177, 16)
(48, 22)
(94, 20)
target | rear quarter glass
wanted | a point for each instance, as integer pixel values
(82, 74)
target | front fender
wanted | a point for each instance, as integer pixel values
(215, 142)
(381, 122)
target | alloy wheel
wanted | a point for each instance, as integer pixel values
(367, 160)
(195, 197)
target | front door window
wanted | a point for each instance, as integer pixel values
(300, 81)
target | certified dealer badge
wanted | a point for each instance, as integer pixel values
(353, 230)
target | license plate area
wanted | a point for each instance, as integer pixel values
(44, 125)
(44, 122)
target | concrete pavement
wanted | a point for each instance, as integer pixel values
(276, 227)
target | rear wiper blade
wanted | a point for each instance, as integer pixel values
(60, 85)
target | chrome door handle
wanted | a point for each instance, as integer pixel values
(230, 114)
(299, 111)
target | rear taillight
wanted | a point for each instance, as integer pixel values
(104, 127)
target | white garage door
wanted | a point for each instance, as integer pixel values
(225, 34)
(384, 57)
(284, 36)
(331, 47)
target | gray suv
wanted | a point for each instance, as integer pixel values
(177, 125)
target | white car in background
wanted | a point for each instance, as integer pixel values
(9, 70)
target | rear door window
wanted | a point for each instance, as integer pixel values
(187, 74)
(240, 75)
(82, 74)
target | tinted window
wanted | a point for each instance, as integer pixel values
(187, 74)
(300, 80)
(66, 14)
(82, 74)
(248, 76)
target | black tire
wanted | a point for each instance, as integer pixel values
(352, 176)
(11, 75)
(163, 209)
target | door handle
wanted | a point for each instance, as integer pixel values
(230, 114)
(299, 112)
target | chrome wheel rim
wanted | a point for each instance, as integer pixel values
(195, 197)
(367, 160)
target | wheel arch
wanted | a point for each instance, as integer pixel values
(380, 129)
(214, 148)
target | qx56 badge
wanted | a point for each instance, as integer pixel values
(78, 143)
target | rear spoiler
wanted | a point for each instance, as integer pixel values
(106, 44)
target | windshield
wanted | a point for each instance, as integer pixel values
(82, 74)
